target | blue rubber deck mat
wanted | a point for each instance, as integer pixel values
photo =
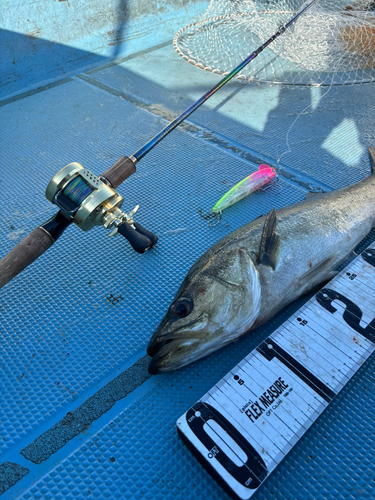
(80, 417)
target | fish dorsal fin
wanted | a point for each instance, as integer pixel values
(263, 166)
(371, 154)
(269, 242)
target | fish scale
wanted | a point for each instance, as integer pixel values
(265, 404)
(254, 272)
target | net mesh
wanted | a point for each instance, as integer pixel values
(333, 43)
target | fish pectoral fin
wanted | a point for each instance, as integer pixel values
(371, 154)
(269, 243)
(311, 275)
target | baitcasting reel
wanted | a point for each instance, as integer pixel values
(91, 201)
(86, 200)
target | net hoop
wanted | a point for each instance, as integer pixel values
(306, 77)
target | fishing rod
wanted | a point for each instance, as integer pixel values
(89, 200)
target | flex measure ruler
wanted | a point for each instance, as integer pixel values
(247, 423)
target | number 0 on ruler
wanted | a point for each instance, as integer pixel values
(246, 424)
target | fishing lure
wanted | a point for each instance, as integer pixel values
(245, 187)
(90, 193)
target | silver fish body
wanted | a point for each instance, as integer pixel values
(232, 288)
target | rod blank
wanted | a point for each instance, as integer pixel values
(173, 124)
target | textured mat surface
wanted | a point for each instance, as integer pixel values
(77, 419)
(321, 132)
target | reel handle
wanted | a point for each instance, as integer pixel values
(151, 236)
(139, 238)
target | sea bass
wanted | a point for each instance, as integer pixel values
(251, 274)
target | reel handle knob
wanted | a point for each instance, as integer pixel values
(149, 234)
(139, 238)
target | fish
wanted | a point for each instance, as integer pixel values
(245, 187)
(254, 272)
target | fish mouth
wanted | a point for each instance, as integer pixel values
(165, 344)
(176, 353)
(163, 335)
(162, 361)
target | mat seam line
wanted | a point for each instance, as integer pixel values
(289, 175)
(41, 88)
(123, 59)
(32, 92)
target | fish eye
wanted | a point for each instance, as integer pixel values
(181, 308)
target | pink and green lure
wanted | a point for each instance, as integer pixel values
(245, 187)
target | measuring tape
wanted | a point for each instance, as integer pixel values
(247, 423)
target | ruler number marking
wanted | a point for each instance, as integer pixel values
(303, 373)
(325, 329)
(329, 342)
(352, 314)
(368, 256)
(341, 334)
(250, 474)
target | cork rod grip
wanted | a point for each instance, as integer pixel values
(121, 170)
(24, 254)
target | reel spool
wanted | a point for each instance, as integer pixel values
(88, 201)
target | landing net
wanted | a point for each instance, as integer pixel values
(333, 43)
